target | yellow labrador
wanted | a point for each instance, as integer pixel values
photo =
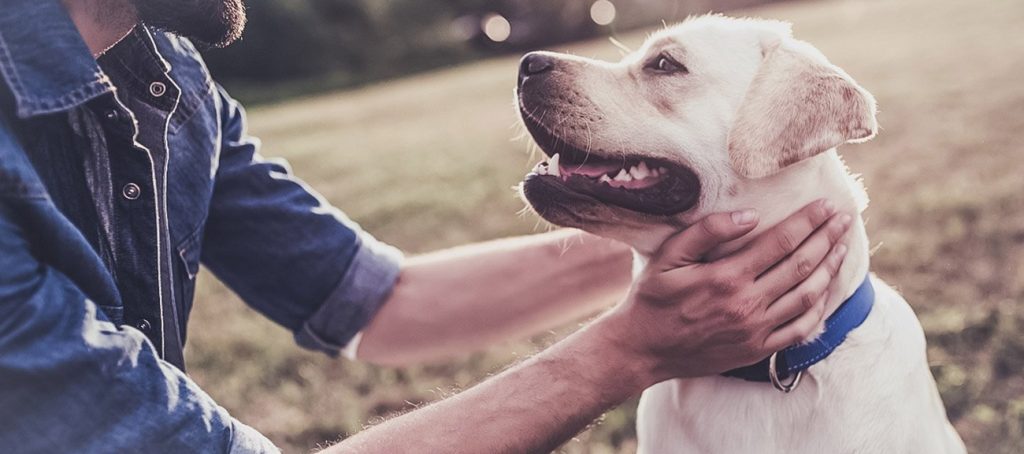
(713, 115)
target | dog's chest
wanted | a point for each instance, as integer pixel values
(874, 394)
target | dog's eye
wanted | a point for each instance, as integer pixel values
(665, 64)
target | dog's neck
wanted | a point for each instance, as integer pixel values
(780, 195)
(823, 176)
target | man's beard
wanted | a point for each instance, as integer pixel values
(211, 23)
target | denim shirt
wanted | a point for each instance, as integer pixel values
(118, 177)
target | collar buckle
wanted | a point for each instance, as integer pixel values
(773, 375)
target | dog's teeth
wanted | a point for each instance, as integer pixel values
(633, 172)
(553, 166)
(643, 168)
(605, 179)
(623, 176)
(662, 170)
(541, 168)
(640, 172)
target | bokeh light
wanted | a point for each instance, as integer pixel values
(602, 12)
(496, 27)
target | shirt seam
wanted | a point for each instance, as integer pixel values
(9, 70)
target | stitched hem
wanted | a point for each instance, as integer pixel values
(361, 292)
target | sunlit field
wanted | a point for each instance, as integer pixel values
(428, 162)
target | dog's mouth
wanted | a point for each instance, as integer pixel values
(631, 181)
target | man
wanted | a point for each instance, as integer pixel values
(122, 166)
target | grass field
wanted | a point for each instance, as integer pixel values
(427, 162)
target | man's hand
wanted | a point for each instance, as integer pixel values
(685, 317)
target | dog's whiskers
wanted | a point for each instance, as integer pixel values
(586, 154)
(618, 45)
(536, 224)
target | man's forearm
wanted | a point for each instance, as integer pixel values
(533, 407)
(462, 299)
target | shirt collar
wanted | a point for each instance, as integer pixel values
(44, 60)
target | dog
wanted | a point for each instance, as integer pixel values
(713, 115)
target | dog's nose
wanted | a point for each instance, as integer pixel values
(534, 63)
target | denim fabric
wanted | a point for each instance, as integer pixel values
(119, 176)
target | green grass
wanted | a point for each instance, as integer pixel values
(427, 162)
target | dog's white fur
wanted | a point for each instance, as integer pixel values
(757, 117)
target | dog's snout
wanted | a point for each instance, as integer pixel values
(534, 63)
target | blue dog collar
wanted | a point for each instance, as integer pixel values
(794, 360)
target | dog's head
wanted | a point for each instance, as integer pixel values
(642, 148)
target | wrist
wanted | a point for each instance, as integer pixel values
(611, 336)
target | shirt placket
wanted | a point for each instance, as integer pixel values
(135, 219)
(137, 115)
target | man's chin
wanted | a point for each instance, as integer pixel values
(208, 23)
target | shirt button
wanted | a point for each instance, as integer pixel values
(131, 191)
(157, 89)
(143, 325)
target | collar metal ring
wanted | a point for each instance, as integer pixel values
(774, 376)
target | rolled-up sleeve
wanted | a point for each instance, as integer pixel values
(286, 251)
(71, 381)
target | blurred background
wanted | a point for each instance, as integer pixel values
(401, 113)
(304, 46)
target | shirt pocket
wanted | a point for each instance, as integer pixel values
(187, 269)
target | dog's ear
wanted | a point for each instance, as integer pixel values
(797, 106)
